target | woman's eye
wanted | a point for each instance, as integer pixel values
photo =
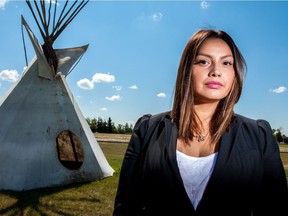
(228, 63)
(203, 62)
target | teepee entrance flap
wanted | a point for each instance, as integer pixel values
(43, 67)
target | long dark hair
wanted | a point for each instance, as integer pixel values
(183, 112)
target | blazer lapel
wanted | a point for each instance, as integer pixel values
(225, 148)
(172, 134)
(171, 141)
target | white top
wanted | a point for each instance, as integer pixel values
(195, 173)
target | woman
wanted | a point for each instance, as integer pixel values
(202, 158)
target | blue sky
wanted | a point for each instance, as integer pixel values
(134, 50)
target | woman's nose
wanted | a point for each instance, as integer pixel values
(215, 71)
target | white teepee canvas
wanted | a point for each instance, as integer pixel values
(45, 140)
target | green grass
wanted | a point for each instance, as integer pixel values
(91, 198)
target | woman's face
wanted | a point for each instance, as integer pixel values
(213, 72)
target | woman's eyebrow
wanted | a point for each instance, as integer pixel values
(210, 56)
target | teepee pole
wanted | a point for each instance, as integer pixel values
(69, 19)
(44, 22)
(54, 15)
(67, 14)
(35, 18)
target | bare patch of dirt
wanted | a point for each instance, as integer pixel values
(108, 137)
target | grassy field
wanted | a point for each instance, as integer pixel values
(86, 199)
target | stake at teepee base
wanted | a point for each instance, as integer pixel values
(45, 140)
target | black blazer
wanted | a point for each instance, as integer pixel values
(248, 177)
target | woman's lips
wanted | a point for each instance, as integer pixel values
(214, 85)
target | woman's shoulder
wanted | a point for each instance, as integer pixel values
(257, 129)
(148, 120)
(260, 128)
(262, 123)
(153, 117)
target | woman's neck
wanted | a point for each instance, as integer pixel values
(205, 113)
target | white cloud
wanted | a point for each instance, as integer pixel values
(161, 94)
(113, 98)
(2, 3)
(9, 75)
(133, 87)
(97, 78)
(101, 77)
(85, 84)
(204, 4)
(118, 88)
(279, 90)
(103, 109)
(156, 17)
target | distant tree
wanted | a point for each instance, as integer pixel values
(100, 128)
(285, 139)
(88, 121)
(278, 135)
(131, 128)
(105, 127)
(128, 129)
(120, 129)
(92, 124)
(110, 125)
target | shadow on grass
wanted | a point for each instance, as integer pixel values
(65, 200)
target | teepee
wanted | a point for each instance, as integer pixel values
(45, 140)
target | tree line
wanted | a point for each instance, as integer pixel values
(102, 126)
(279, 136)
